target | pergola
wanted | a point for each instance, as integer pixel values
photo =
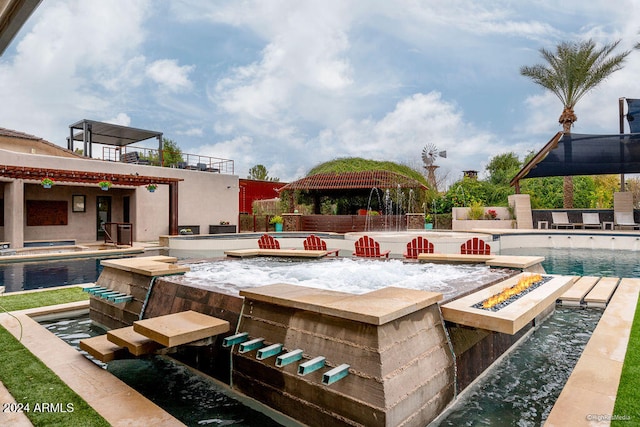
(92, 131)
(351, 183)
(89, 177)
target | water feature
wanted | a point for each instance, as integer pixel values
(523, 387)
(193, 399)
(355, 276)
(367, 223)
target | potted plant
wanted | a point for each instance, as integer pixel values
(428, 222)
(105, 185)
(492, 214)
(277, 222)
(151, 187)
(47, 182)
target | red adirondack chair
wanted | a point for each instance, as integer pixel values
(475, 246)
(267, 241)
(366, 247)
(314, 243)
(419, 245)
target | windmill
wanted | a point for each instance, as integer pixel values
(429, 155)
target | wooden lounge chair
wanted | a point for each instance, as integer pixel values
(268, 242)
(314, 243)
(625, 219)
(591, 220)
(366, 247)
(475, 246)
(561, 219)
(419, 245)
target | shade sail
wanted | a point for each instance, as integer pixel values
(580, 154)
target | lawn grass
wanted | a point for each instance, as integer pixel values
(10, 302)
(627, 401)
(51, 402)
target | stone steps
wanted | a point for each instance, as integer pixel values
(148, 335)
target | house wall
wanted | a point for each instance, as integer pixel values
(204, 198)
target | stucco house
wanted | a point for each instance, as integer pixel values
(76, 207)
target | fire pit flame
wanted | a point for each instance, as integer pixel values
(524, 283)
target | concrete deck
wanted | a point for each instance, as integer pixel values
(294, 253)
(118, 403)
(591, 389)
(159, 265)
(376, 307)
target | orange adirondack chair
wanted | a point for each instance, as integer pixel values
(475, 246)
(419, 245)
(268, 242)
(314, 243)
(366, 247)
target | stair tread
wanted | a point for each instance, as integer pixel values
(180, 328)
(102, 349)
(136, 343)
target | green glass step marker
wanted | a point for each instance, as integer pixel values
(251, 345)
(269, 351)
(101, 291)
(93, 291)
(235, 339)
(114, 296)
(106, 295)
(287, 358)
(125, 298)
(92, 288)
(335, 374)
(311, 366)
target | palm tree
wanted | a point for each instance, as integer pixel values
(570, 72)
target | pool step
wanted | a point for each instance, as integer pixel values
(102, 349)
(137, 344)
(574, 296)
(601, 293)
(180, 328)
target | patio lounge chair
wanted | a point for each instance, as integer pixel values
(314, 243)
(268, 242)
(625, 219)
(475, 246)
(560, 219)
(419, 245)
(591, 220)
(366, 247)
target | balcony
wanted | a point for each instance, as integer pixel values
(149, 156)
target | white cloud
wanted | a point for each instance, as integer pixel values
(167, 73)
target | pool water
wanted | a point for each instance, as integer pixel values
(355, 276)
(23, 276)
(194, 400)
(584, 262)
(522, 388)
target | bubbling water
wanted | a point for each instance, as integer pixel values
(355, 276)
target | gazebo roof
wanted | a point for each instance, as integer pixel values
(354, 181)
(110, 134)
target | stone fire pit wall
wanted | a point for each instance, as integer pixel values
(401, 364)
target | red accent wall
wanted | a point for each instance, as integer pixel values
(251, 190)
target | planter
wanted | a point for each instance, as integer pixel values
(278, 226)
(46, 185)
(104, 188)
(220, 229)
(428, 226)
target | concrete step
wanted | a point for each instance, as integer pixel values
(180, 328)
(575, 295)
(601, 293)
(137, 344)
(103, 349)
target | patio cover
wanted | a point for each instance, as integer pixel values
(578, 154)
(92, 131)
(354, 181)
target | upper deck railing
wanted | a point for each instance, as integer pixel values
(149, 156)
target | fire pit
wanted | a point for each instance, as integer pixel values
(515, 308)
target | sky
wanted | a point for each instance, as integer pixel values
(290, 84)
